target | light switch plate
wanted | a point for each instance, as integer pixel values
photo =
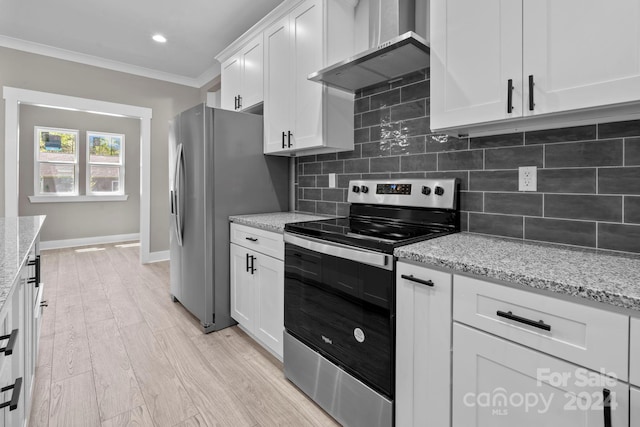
(528, 178)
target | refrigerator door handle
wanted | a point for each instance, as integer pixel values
(177, 193)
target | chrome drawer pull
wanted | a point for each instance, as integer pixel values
(415, 279)
(12, 341)
(539, 324)
(15, 396)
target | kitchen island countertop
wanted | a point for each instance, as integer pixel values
(17, 235)
(601, 276)
(274, 221)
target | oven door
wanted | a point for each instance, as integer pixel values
(342, 307)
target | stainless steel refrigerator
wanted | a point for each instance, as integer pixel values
(217, 169)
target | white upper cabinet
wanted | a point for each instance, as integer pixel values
(242, 77)
(300, 114)
(476, 49)
(506, 65)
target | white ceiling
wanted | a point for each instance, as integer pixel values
(116, 34)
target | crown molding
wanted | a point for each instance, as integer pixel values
(95, 61)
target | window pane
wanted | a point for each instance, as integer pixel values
(57, 146)
(57, 178)
(105, 179)
(104, 148)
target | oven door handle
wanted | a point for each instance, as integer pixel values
(375, 259)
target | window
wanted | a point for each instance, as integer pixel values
(105, 163)
(56, 166)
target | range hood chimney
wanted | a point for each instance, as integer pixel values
(395, 49)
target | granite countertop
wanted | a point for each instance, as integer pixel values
(17, 235)
(600, 276)
(274, 221)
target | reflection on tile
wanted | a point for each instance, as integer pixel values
(410, 145)
(437, 143)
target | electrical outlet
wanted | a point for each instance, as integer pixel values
(528, 178)
(332, 180)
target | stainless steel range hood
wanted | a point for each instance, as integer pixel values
(403, 51)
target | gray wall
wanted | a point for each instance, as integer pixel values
(80, 220)
(36, 72)
(588, 177)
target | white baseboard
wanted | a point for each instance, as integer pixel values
(158, 256)
(98, 240)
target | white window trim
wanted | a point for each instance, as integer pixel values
(75, 199)
(102, 194)
(37, 162)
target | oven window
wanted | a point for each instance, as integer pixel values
(343, 309)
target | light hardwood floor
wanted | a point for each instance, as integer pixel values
(115, 351)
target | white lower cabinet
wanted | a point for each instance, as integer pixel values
(634, 414)
(257, 292)
(497, 383)
(423, 346)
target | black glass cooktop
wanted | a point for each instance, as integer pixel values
(378, 234)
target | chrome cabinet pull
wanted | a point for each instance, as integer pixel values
(251, 239)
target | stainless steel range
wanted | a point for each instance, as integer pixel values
(340, 293)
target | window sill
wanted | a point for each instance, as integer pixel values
(75, 199)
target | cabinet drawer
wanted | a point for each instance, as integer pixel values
(267, 242)
(634, 352)
(587, 336)
(501, 384)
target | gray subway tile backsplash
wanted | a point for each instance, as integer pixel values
(584, 154)
(588, 177)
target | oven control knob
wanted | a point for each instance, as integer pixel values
(439, 191)
(426, 190)
(355, 189)
(364, 189)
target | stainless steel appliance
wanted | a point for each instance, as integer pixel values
(217, 169)
(340, 293)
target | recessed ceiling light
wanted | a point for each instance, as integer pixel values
(159, 38)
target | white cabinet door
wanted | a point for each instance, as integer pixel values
(231, 83)
(269, 301)
(307, 57)
(497, 383)
(252, 74)
(277, 86)
(476, 49)
(635, 407)
(423, 346)
(242, 286)
(581, 53)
